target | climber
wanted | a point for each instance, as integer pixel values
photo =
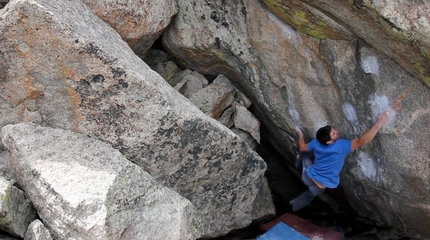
(330, 152)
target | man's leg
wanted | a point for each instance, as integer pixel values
(313, 190)
(305, 198)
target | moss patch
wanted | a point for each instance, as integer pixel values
(419, 67)
(300, 17)
(422, 73)
(427, 81)
(302, 20)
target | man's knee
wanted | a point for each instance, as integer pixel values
(315, 190)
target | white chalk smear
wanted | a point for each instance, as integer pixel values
(349, 112)
(290, 102)
(367, 165)
(370, 65)
(288, 32)
(294, 114)
(380, 104)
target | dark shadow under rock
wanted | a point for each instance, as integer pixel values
(3, 3)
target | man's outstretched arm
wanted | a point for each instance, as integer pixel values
(303, 147)
(370, 134)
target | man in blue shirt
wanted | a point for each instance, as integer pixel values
(330, 152)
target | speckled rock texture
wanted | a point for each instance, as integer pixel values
(37, 231)
(66, 68)
(139, 23)
(84, 189)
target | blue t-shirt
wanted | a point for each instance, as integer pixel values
(329, 161)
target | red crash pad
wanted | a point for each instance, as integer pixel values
(308, 229)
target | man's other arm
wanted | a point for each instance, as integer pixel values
(370, 134)
(303, 147)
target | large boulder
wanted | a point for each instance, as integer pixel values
(139, 23)
(66, 68)
(84, 189)
(293, 79)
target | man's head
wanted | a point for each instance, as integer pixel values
(327, 135)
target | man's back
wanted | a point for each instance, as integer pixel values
(329, 160)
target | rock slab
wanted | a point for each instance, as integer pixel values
(84, 189)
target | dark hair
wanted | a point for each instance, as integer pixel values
(323, 135)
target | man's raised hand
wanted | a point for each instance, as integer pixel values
(299, 131)
(383, 118)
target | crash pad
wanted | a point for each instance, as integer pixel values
(282, 231)
(306, 228)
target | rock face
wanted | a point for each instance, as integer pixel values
(293, 79)
(139, 23)
(386, 177)
(68, 69)
(84, 189)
